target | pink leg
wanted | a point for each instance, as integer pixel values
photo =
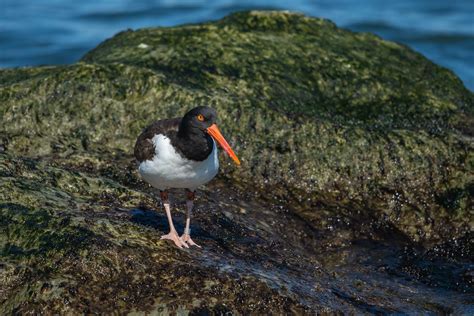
(186, 236)
(172, 235)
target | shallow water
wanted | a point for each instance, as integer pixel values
(59, 32)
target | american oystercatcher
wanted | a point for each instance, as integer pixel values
(181, 153)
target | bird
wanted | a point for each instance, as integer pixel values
(181, 153)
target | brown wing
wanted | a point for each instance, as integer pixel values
(144, 147)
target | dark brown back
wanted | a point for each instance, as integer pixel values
(144, 147)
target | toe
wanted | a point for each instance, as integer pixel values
(184, 243)
(194, 244)
(176, 239)
(178, 244)
(189, 241)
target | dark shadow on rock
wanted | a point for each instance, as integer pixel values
(159, 221)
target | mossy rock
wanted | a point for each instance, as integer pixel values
(74, 241)
(355, 135)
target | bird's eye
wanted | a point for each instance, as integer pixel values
(200, 117)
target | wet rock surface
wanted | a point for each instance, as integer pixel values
(354, 195)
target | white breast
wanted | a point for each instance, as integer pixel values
(168, 169)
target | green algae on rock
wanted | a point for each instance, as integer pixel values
(86, 248)
(329, 112)
(356, 135)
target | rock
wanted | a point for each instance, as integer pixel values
(357, 172)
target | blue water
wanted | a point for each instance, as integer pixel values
(36, 32)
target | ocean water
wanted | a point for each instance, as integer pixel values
(50, 32)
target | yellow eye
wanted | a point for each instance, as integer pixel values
(200, 117)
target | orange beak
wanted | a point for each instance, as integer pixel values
(216, 134)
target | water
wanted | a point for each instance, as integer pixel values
(60, 32)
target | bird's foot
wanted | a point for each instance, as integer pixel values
(173, 235)
(187, 239)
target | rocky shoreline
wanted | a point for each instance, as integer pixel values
(354, 195)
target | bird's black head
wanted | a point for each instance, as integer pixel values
(198, 119)
(200, 123)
